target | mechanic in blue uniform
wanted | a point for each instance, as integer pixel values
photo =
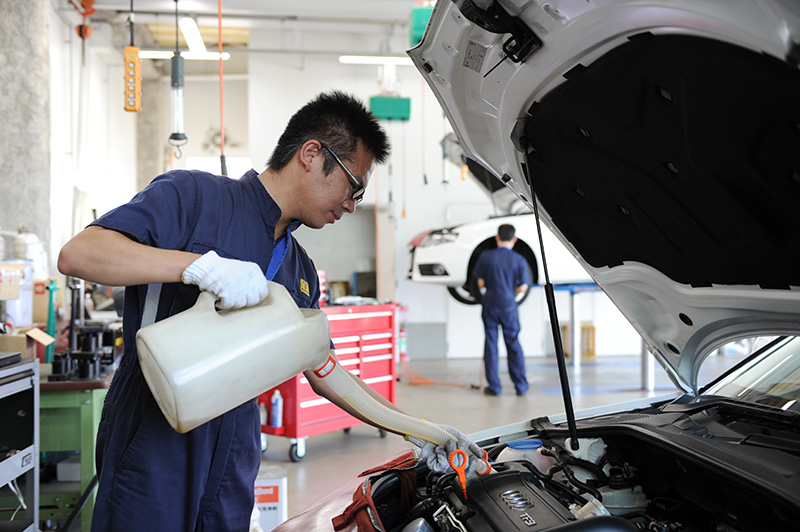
(503, 276)
(189, 231)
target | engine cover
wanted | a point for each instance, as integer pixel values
(515, 500)
(509, 500)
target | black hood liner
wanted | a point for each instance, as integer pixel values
(484, 176)
(679, 152)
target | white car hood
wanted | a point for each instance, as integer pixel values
(662, 140)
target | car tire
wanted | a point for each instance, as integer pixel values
(471, 295)
(461, 295)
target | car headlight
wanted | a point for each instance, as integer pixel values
(442, 236)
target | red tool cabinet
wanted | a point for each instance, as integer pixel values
(365, 337)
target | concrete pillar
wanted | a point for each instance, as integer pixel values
(150, 137)
(25, 118)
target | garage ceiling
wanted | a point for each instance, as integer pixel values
(239, 17)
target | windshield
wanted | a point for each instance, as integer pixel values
(771, 378)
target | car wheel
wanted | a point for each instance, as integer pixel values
(461, 295)
(469, 294)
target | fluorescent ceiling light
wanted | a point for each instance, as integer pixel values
(192, 35)
(167, 54)
(205, 56)
(155, 54)
(375, 60)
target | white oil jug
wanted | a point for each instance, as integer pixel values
(203, 362)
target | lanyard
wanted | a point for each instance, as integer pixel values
(277, 257)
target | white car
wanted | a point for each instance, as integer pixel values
(448, 256)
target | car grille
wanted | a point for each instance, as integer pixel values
(433, 270)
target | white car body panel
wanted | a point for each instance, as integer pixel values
(454, 256)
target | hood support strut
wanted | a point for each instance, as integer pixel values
(551, 307)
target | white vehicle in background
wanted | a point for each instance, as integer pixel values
(448, 255)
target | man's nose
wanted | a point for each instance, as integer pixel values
(349, 206)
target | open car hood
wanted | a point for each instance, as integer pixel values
(661, 140)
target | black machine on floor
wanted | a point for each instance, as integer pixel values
(94, 345)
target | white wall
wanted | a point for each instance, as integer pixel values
(282, 83)
(93, 140)
(256, 109)
(344, 247)
(202, 121)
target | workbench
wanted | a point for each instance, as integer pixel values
(365, 337)
(69, 416)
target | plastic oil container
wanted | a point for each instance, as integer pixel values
(203, 362)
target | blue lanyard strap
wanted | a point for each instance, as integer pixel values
(277, 257)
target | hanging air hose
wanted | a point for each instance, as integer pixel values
(178, 136)
(222, 163)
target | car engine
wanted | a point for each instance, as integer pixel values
(514, 499)
(622, 484)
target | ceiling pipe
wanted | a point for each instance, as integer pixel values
(278, 18)
(232, 50)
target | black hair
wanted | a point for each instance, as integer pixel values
(339, 121)
(506, 232)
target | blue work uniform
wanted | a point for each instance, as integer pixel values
(149, 474)
(502, 270)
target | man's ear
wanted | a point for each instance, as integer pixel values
(307, 152)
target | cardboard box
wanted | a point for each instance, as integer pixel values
(19, 312)
(9, 282)
(27, 342)
(41, 300)
(271, 500)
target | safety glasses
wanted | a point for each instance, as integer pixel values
(357, 191)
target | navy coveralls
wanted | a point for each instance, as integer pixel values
(149, 474)
(502, 270)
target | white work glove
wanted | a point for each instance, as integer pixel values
(436, 456)
(236, 283)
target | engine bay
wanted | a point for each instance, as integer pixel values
(620, 480)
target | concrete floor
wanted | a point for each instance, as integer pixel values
(334, 458)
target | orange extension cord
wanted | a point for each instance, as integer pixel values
(415, 379)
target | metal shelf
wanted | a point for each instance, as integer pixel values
(19, 441)
(17, 465)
